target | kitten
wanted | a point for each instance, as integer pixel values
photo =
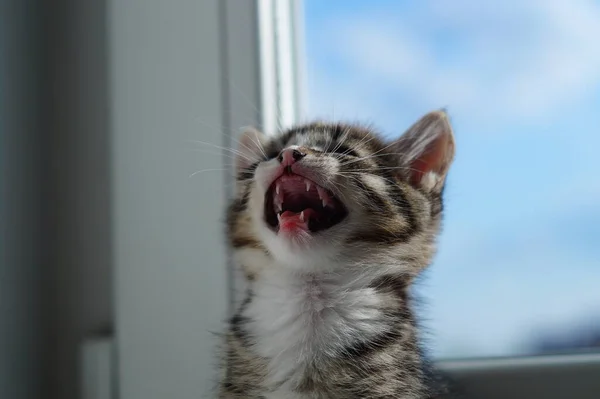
(331, 224)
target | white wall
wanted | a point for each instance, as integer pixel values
(174, 68)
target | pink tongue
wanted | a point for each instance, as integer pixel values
(290, 221)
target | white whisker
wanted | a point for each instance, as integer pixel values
(207, 170)
(234, 151)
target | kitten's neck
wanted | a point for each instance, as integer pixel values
(299, 320)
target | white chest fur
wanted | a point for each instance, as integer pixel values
(296, 319)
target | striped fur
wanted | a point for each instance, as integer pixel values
(330, 316)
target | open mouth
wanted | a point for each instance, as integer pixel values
(295, 202)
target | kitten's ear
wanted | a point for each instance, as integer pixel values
(250, 148)
(426, 151)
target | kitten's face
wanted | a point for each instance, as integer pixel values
(322, 195)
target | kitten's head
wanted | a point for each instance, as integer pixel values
(322, 196)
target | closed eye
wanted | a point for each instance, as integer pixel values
(345, 150)
(272, 153)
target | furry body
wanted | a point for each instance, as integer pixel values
(328, 314)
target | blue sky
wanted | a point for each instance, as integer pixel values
(520, 252)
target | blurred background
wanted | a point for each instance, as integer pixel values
(115, 121)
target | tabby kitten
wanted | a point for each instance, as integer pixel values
(331, 224)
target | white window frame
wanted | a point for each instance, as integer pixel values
(563, 376)
(281, 44)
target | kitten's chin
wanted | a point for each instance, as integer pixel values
(301, 253)
(299, 250)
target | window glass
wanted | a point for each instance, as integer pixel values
(518, 270)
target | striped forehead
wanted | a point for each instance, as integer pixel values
(323, 137)
(308, 138)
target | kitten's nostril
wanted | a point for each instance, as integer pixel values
(290, 156)
(297, 155)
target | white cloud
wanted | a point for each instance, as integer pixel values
(510, 59)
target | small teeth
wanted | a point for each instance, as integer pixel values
(278, 198)
(278, 202)
(323, 196)
(321, 192)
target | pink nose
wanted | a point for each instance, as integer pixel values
(290, 156)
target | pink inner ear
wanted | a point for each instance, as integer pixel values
(433, 159)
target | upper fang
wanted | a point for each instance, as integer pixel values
(321, 192)
(278, 203)
(308, 184)
(277, 188)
